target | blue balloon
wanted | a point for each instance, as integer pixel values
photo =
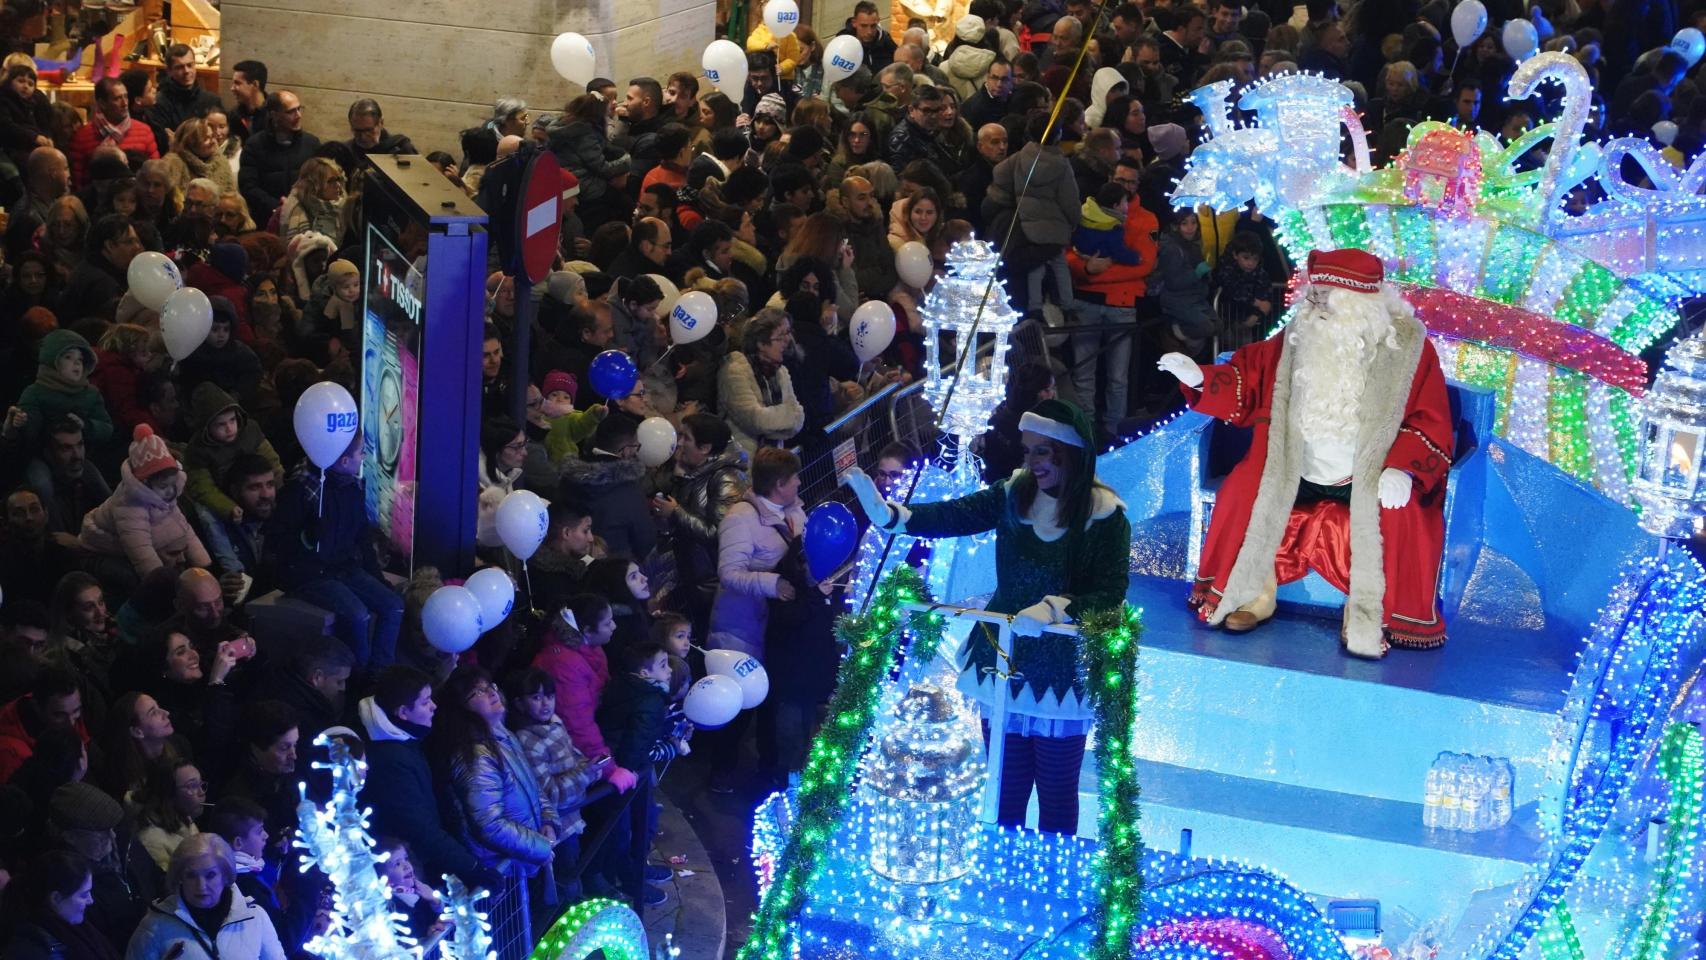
(613, 375)
(831, 535)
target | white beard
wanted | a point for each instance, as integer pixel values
(1335, 343)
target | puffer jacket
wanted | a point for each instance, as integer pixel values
(168, 930)
(399, 787)
(205, 461)
(498, 798)
(611, 491)
(1104, 81)
(750, 543)
(139, 525)
(758, 414)
(705, 496)
(120, 383)
(1049, 212)
(580, 674)
(965, 68)
(49, 398)
(584, 151)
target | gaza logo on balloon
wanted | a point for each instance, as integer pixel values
(342, 422)
(684, 318)
(842, 62)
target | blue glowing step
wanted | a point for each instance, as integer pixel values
(1331, 844)
(1283, 704)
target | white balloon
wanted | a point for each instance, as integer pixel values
(781, 16)
(184, 321)
(1665, 132)
(522, 520)
(912, 261)
(1689, 42)
(325, 419)
(724, 63)
(1468, 21)
(572, 56)
(749, 673)
(495, 591)
(1521, 39)
(451, 619)
(657, 440)
(153, 277)
(872, 329)
(692, 318)
(670, 293)
(713, 701)
(841, 57)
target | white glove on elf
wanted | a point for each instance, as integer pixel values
(1030, 621)
(885, 515)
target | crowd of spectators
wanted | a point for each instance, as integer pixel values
(152, 734)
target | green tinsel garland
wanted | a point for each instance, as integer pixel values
(1108, 650)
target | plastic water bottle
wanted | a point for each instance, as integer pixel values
(1476, 784)
(1450, 795)
(1432, 794)
(1504, 787)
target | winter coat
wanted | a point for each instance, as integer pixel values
(120, 384)
(49, 398)
(235, 368)
(635, 719)
(583, 150)
(750, 543)
(1184, 296)
(174, 104)
(206, 460)
(139, 525)
(216, 168)
(298, 215)
(873, 258)
(85, 140)
(1104, 81)
(1099, 234)
(269, 170)
(569, 431)
(317, 537)
(965, 68)
(17, 743)
(563, 772)
(611, 491)
(1049, 211)
(758, 413)
(94, 285)
(495, 485)
(580, 674)
(634, 336)
(34, 940)
(493, 787)
(210, 280)
(705, 495)
(246, 932)
(401, 792)
(799, 638)
(22, 121)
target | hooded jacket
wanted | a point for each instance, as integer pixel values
(965, 68)
(1049, 211)
(235, 368)
(634, 715)
(1130, 244)
(580, 674)
(611, 491)
(51, 397)
(206, 460)
(705, 495)
(401, 791)
(1104, 81)
(585, 152)
(167, 929)
(139, 525)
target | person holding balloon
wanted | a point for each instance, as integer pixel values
(1061, 540)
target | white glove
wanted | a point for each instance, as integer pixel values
(871, 501)
(1395, 488)
(1030, 621)
(1182, 367)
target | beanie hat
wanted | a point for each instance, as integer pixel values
(561, 285)
(560, 380)
(224, 310)
(38, 322)
(229, 259)
(598, 283)
(149, 454)
(338, 269)
(79, 806)
(773, 106)
(969, 29)
(571, 184)
(1169, 140)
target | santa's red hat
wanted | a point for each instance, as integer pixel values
(1352, 269)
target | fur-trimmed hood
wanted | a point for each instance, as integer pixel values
(601, 472)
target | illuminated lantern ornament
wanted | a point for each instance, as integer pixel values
(1673, 444)
(1443, 169)
(926, 777)
(956, 304)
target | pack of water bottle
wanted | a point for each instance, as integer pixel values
(1468, 793)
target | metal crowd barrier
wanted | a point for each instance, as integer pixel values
(893, 413)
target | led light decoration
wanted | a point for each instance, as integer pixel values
(471, 937)
(1669, 486)
(592, 926)
(1680, 764)
(1483, 248)
(925, 778)
(977, 377)
(1233, 906)
(335, 840)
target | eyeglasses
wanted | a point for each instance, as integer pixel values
(520, 446)
(483, 689)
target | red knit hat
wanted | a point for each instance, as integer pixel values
(1352, 269)
(149, 454)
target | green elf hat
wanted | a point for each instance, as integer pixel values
(1062, 421)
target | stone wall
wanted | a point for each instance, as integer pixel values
(436, 66)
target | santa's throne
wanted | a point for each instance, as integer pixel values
(1474, 414)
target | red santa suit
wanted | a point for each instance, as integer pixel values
(1386, 560)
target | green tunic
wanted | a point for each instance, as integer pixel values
(1088, 567)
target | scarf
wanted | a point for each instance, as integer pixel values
(49, 378)
(248, 864)
(116, 132)
(82, 941)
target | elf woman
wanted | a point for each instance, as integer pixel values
(1061, 546)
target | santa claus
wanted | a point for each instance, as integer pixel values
(1347, 469)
